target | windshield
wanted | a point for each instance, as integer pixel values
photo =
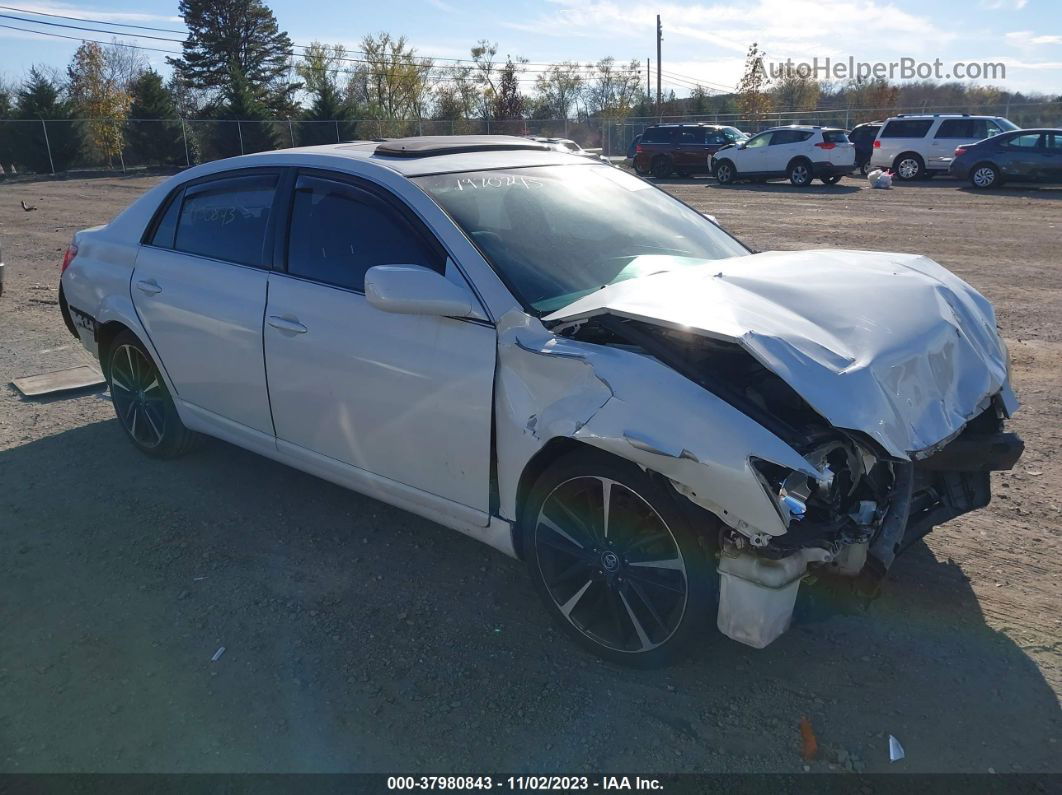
(1007, 124)
(556, 233)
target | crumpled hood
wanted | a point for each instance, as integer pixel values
(893, 345)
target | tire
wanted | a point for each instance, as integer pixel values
(984, 176)
(865, 168)
(909, 166)
(831, 180)
(799, 173)
(641, 172)
(684, 173)
(661, 167)
(595, 581)
(725, 173)
(142, 403)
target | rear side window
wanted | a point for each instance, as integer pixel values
(835, 137)
(694, 136)
(167, 226)
(1053, 141)
(339, 231)
(907, 128)
(658, 135)
(1027, 141)
(789, 137)
(227, 219)
(968, 129)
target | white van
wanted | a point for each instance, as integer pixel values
(917, 146)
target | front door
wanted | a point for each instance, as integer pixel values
(405, 397)
(199, 288)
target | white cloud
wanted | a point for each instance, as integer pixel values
(1026, 38)
(1004, 5)
(101, 14)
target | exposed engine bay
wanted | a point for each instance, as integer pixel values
(862, 508)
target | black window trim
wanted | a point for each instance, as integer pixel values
(180, 191)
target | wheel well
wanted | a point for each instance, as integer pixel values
(104, 337)
(902, 155)
(797, 159)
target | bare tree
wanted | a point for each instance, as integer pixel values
(559, 87)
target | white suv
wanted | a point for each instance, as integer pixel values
(799, 154)
(919, 146)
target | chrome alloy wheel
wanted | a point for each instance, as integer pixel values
(610, 564)
(139, 396)
(908, 168)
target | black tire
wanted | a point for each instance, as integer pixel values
(831, 180)
(638, 169)
(661, 167)
(141, 401)
(684, 173)
(909, 166)
(635, 593)
(725, 172)
(865, 168)
(799, 173)
(985, 175)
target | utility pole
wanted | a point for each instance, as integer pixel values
(659, 37)
(648, 79)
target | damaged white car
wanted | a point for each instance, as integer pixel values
(560, 360)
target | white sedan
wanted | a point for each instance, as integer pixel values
(560, 360)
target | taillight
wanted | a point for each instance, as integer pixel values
(877, 144)
(825, 145)
(960, 150)
(68, 257)
(639, 149)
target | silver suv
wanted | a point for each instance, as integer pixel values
(919, 146)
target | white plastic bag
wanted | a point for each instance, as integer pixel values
(879, 179)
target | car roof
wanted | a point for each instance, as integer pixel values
(418, 156)
(943, 116)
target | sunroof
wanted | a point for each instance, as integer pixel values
(429, 145)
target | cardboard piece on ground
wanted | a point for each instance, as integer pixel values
(79, 377)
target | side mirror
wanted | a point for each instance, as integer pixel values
(415, 290)
(742, 145)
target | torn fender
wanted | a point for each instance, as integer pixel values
(637, 408)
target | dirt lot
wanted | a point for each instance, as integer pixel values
(360, 638)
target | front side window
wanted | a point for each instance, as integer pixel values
(227, 219)
(339, 231)
(907, 128)
(763, 139)
(557, 233)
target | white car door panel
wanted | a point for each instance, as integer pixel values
(406, 397)
(204, 315)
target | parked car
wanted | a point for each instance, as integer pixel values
(797, 153)
(682, 149)
(558, 359)
(862, 137)
(922, 145)
(569, 146)
(1022, 156)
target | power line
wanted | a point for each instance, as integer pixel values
(181, 32)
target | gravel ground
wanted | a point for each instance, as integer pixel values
(360, 638)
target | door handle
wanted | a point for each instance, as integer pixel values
(285, 324)
(148, 286)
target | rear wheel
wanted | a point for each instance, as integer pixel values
(615, 561)
(831, 180)
(909, 166)
(725, 173)
(985, 175)
(799, 173)
(142, 402)
(865, 169)
(662, 167)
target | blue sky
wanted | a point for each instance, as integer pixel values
(703, 41)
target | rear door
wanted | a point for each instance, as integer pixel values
(199, 288)
(950, 134)
(405, 397)
(1052, 157)
(691, 152)
(1023, 157)
(785, 145)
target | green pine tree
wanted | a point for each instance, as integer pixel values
(240, 35)
(7, 130)
(154, 130)
(245, 125)
(39, 98)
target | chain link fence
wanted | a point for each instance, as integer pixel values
(102, 145)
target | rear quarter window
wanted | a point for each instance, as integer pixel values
(907, 128)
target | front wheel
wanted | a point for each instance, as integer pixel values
(615, 561)
(725, 173)
(142, 402)
(799, 173)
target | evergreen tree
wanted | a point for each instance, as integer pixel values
(246, 124)
(154, 134)
(7, 130)
(39, 98)
(240, 35)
